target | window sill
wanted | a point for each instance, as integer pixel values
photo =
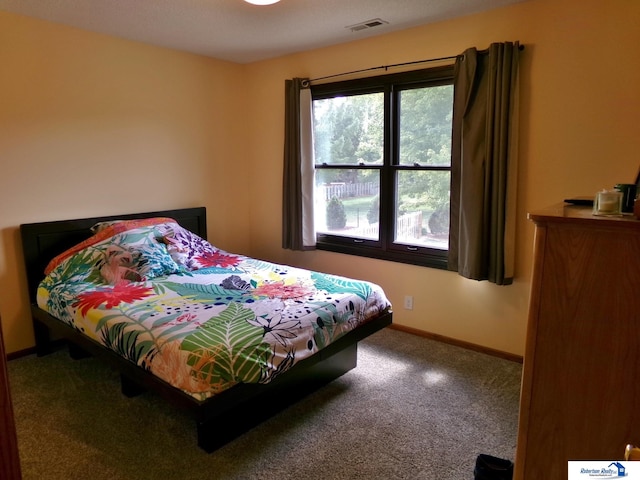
(422, 260)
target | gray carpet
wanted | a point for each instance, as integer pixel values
(412, 409)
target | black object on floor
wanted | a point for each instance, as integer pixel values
(492, 468)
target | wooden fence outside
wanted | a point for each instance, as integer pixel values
(408, 228)
(348, 190)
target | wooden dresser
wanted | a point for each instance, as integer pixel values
(580, 395)
(9, 458)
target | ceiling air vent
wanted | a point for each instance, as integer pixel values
(376, 22)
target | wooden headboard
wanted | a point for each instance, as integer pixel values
(43, 241)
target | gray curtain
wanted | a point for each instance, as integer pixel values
(292, 181)
(297, 186)
(484, 163)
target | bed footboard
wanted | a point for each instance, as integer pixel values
(225, 426)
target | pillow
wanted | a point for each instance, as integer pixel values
(106, 231)
(116, 265)
(175, 246)
(149, 256)
(124, 251)
(184, 246)
(153, 260)
(136, 256)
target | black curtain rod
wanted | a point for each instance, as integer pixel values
(306, 83)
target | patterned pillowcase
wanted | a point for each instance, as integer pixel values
(154, 260)
(137, 255)
(126, 250)
(104, 232)
(185, 247)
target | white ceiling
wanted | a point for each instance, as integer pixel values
(239, 32)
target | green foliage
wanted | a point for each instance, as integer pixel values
(425, 125)
(333, 284)
(373, 214)
(336, 216)
(439, 220)
(126, 343)
(349, 130)
(202, 293)
(234, 340)
(423, 190)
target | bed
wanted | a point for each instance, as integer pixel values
(228, 338)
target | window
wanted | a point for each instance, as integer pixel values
(382, 149)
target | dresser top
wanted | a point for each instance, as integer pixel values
(575, 214)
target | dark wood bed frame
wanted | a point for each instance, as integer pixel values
(221, 418)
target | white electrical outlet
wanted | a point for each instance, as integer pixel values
(408, 302)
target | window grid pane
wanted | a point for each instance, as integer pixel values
(349, 130)
(425, 125)
(348, 208)
(422, 208)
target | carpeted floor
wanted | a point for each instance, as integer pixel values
(412, 409)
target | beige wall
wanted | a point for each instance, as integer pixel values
(93, 125)
(194, 126)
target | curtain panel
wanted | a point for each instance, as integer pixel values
(298, 231)
(484, 163)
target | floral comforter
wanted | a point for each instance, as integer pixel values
(200, 318)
